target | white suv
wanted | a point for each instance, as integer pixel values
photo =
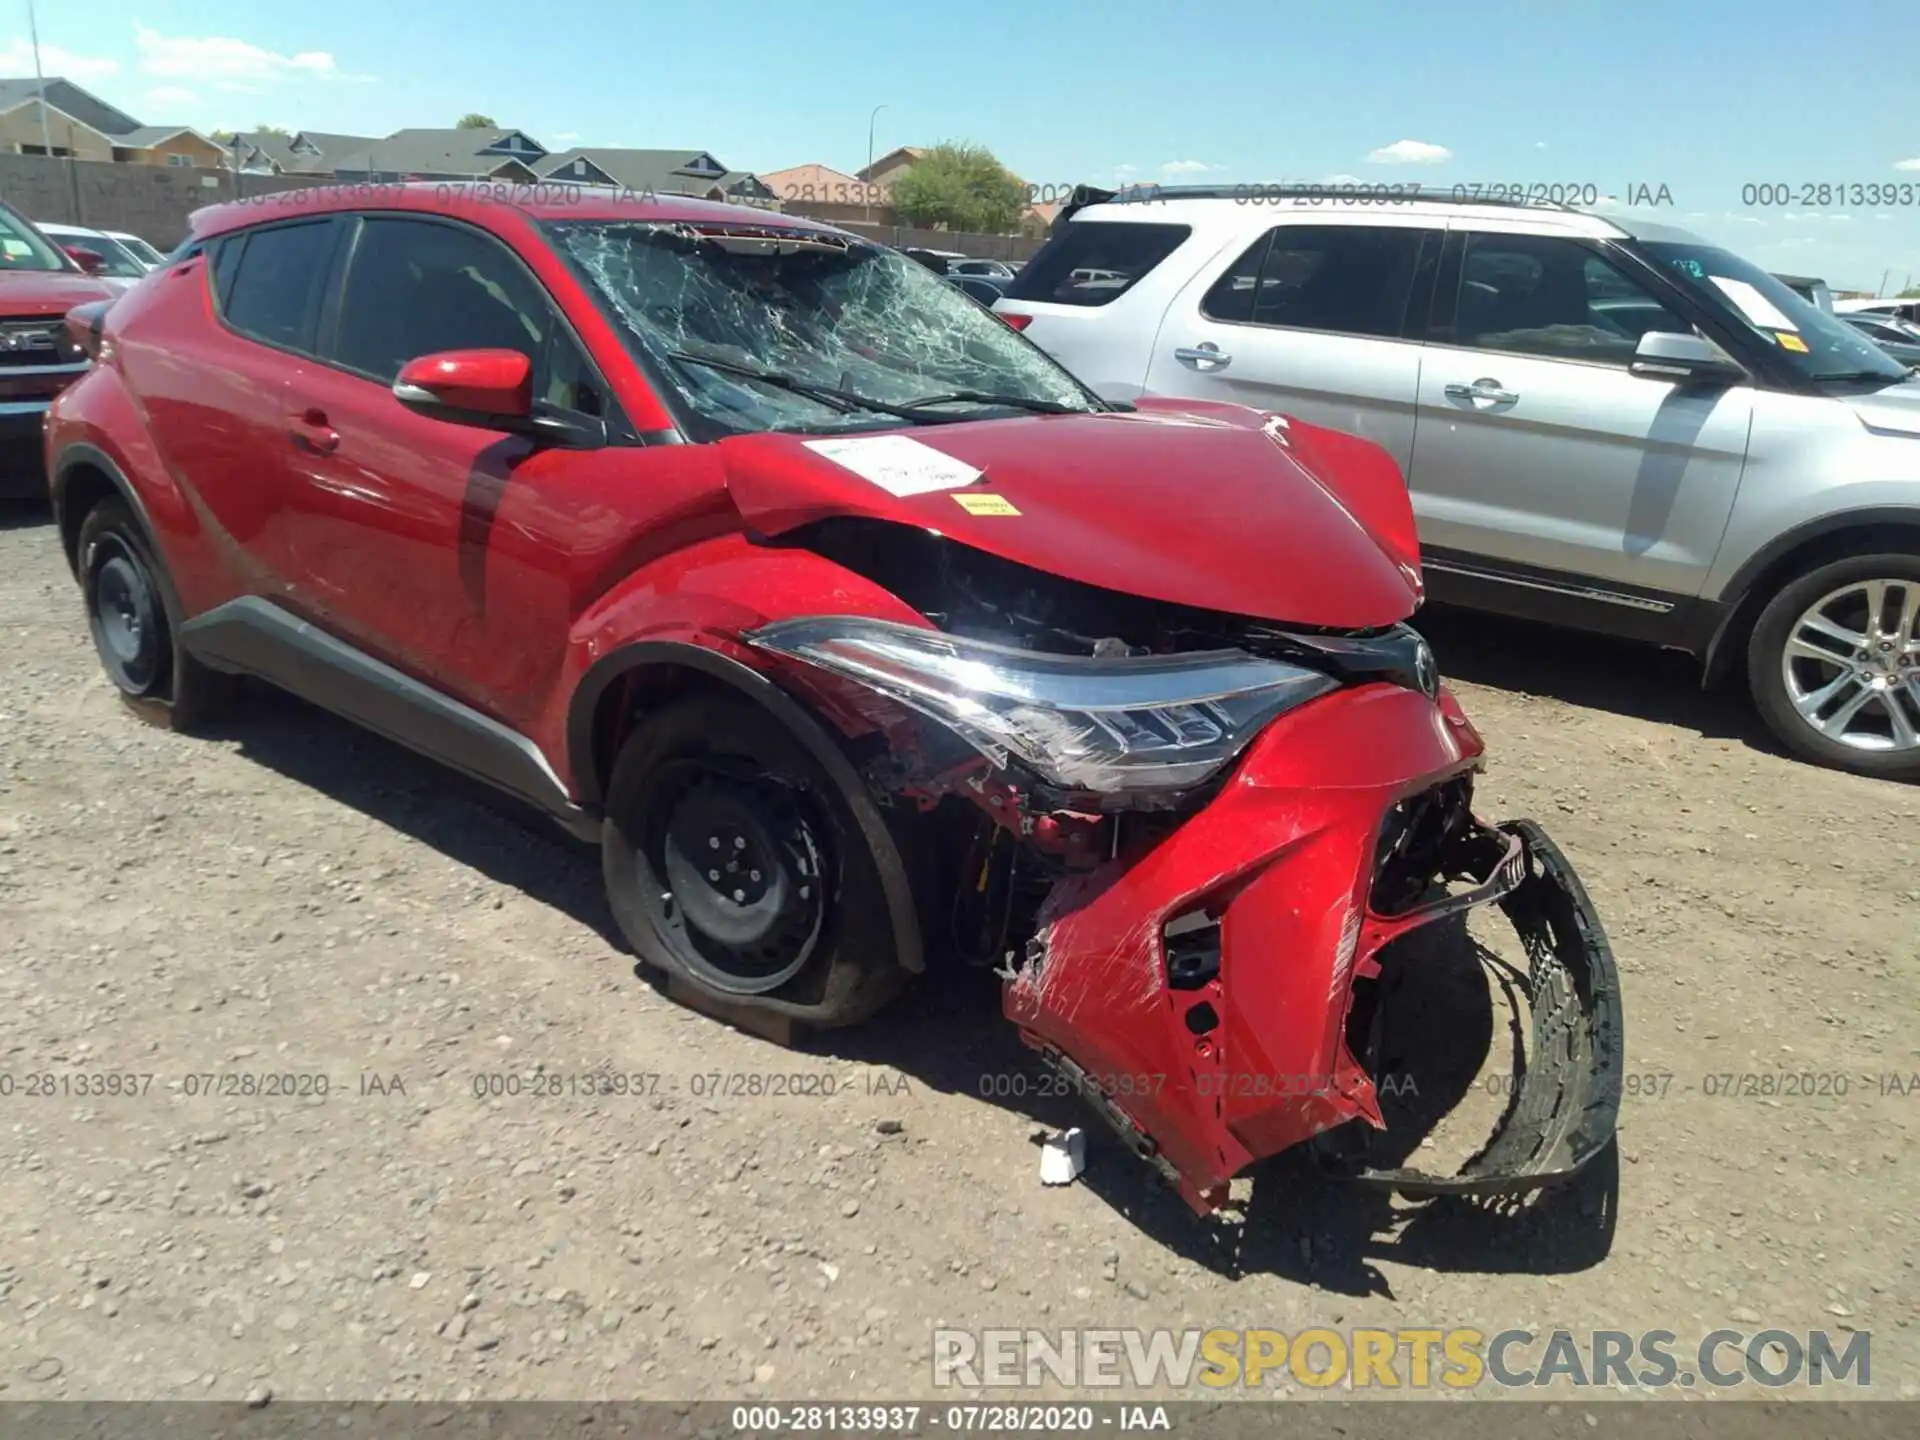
(1605, 423)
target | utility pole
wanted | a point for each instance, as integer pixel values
(867, 175)
(46, 131)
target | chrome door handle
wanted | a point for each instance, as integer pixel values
(1204, 356)
(1488, 390)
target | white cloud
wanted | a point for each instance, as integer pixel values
(1539, 144)
(1341, 179)
(164, 97)
(16, 58)
(567, 137)
(1188, 167)
(1410, 152)
(1913, 164)
(230, 65)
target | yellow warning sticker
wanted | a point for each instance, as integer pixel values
(986, 504)
(1790, 341)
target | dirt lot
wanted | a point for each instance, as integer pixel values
(292, 898)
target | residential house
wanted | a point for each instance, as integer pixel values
(492, 154)
(265, 152)
(823, 193)
(660, 172)
(55, 114)
(892, 165)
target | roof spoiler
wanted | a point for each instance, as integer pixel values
(1081, 197)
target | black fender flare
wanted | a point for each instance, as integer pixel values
(80, 455)
(588, 786)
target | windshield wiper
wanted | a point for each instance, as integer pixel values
(1862, 376)
(844, 401)
(983, 397)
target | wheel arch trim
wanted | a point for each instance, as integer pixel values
(82, 455)
(756, 685)
(1741, 596)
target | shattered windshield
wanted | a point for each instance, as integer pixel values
(767, 329)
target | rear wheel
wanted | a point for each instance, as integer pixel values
(1835, 665)
(135, 625)
(731, 861)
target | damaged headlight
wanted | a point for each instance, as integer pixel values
(1112, 725)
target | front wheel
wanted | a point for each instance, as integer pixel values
(1835, 665)
(731, 860)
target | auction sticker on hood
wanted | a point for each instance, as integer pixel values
(898, 464)
(978, 504)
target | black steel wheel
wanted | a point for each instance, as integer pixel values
(731, 860)
(134, 619)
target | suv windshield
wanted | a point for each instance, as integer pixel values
(768, 329)
(24, 248)
(1818, 345)
(116, 260)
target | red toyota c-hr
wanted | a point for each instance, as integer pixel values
(857, 633)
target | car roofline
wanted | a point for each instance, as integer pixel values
(1146, 200)
(469, 200)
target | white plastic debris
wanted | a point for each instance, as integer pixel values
(1063, 1157)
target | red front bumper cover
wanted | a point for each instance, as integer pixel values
(1197, 989)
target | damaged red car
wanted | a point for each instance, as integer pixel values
(859, 635)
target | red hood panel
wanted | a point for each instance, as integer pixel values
(48, 292)
(1190, 508)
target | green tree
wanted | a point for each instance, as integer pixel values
(474, 120)
(279, 130)
(962, 187)
(1912, 292)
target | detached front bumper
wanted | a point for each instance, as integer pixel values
(1198, 989)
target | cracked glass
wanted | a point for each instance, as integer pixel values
(767, 329)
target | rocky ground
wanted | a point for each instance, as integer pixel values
(262, 997)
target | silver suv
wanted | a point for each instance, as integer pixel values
(1604, 423)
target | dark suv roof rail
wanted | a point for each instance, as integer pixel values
(1085, 195)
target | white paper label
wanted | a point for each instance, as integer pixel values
(1755, 306)
(898, 464)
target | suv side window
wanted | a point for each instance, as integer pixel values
(1348, 279)
(417, 287)
(1545, 296)
(268, 282)
(1094, 262)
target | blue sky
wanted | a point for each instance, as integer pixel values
(1701, 96)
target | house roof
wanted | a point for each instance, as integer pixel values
(892, 158)
(69, 99)
(430, 152)
(824, 185)
(661, 171)
(148, 136)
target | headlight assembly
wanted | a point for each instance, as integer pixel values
(1117, 725)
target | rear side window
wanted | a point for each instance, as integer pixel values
(271, 284)
(1093, 262)
(1348, 279)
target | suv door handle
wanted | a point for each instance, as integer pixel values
(1484, 389)
(1204, 356)
(310, 428)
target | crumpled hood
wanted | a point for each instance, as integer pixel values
(1895, 409)
(1218, 507)
(48, 292)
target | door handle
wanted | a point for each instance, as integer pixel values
(1484, 389)
(310, 428)
(1204, 356)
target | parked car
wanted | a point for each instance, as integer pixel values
(991, 269)
(96, 252)
(1814, 291)
(146, 254)
(938, 261)
(983, 288)
(857, 633)
(1603, 422)
(1896, 337)
(39, 283)
(1907, 309)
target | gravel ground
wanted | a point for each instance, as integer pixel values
(294, 899)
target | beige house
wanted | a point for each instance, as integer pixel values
(58, 117)
(823, 193)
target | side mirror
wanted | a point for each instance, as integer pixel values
(492, 389)
(91, 261)
(1666, 355)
